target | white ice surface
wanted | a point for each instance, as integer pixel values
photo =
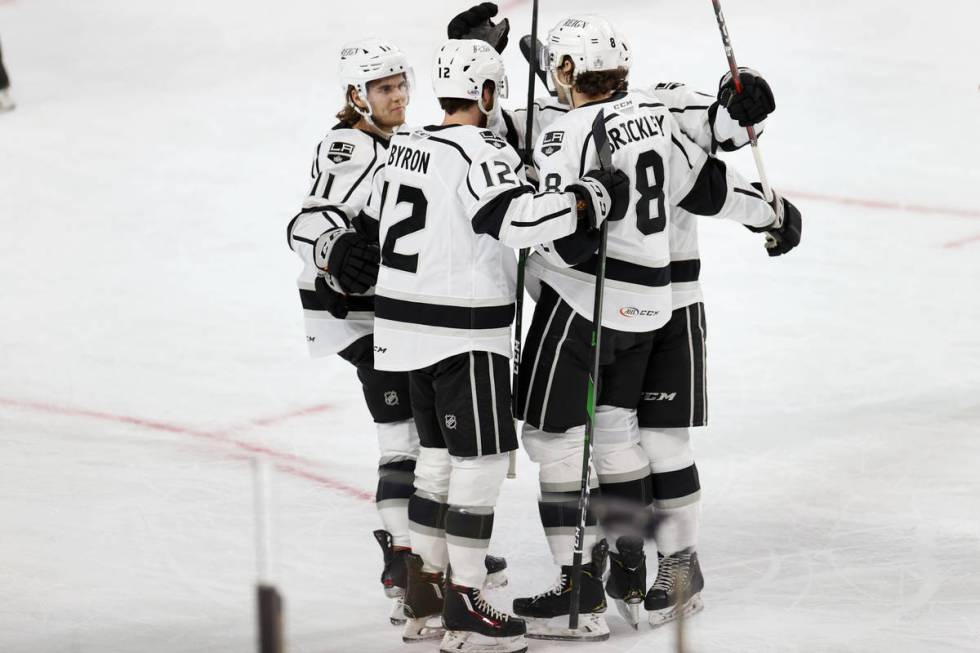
(145, 181)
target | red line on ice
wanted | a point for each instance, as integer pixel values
(888, 206)
(954, 244)
(283, 461)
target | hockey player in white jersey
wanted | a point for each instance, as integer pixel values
(669, 173)
(339, 270)
(450, 206)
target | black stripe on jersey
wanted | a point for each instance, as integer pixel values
(305, 240)
(627, 272)
(439, 315)
(491, 215)
(462, 153)
(550, 216)
(681, 271)
(683, 151)
(651, 105)
(326, 189)
(289, 230)
(311, 302)
(707, 195)
(369, 167)
(315, 169)
(549, 107)
(749, 193)
(675, 485)
(692, 107)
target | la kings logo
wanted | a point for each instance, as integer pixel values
(552, 142)
(340, 151)
(493, 139)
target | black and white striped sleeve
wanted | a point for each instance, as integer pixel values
(502, 204)
(341, 184)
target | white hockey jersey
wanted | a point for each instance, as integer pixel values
(342, 171)
(666, 169)
(452, 204)
(704, 122)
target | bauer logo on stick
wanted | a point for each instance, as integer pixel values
(340, 152)
(552, 142)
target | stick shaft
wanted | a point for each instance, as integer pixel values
(733, 67)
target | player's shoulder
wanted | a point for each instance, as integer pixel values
(469, 141)
(346, 147)
(678, 96)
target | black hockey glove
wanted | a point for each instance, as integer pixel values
(785, 231)
(350, 259)
(475, 23)
(334, 302)
(753, 104)
(602, 195)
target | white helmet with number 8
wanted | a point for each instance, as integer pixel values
(461, 68)
(591, 43)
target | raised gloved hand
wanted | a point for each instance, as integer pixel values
(602, 195)
(475, 23)
(785, 231)
(753, 104)
(349, 260)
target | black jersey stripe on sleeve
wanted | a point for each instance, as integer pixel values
(683, 151)
(627, 272)
(749, 193)
(691, 107)
(550, 216)
(707, 195)
(440, 315)
(490, 217)
(364, 174)
(311, 302)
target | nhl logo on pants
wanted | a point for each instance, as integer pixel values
(451, 422)
(391, 398)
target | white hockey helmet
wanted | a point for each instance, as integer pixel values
(370, 59)
(462, 66)
(590, 41)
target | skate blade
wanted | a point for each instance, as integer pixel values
(495, 580)
(461, 641)
(630, 611)
(421, 630)
(397, 616)
(660, 618)
(592, 627)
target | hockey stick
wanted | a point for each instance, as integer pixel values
(753, 140)
(605, 161)
(531, 49)
(522, 254)
(269, 605)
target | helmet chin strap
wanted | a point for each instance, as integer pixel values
(368, 115)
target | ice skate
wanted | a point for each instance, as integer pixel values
(393, 576)
(496, 572)
(6, 100)
(474, 626)
(423, 602)
(547, 613)
(628, 578)
(677, 588)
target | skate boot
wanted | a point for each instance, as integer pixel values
(423, 602)
(677, 588)
(393, 576)
(627, 581)
(473, 625)
(547, 613)
(496, 572)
